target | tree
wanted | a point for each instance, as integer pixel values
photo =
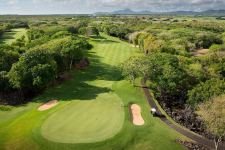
(106, 30)
(8, 56)
(131, 68)
(61, 34)
(131, 36)
(212, 113)
(150, 44)
(163, 70)
(35, 69)
(88, 33)
(95, 31)
(135, 39)
(82, 30)
(205, 90)
(5, 86)
(141, 40)
(19, 42)
(73, 49)
(215, 48)
(8, 27)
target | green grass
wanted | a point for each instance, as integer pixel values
(10, 37)
(94, 95)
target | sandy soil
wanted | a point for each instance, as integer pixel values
(200, 52)
(133, 45)
(135, 114)
(48, 105)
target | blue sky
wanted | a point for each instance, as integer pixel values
(91, 6)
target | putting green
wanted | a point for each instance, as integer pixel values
(87, 120)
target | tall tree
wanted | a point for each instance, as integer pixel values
(73, 49)
(131, 68)
(163, 70)
(212, 112)
(34, 70)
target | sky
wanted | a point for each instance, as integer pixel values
(92, 6)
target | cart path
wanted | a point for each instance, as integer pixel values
(190, 135)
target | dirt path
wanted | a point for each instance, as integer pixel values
(200, 52)
(135, 115)
(190, 135)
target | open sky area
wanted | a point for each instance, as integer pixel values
(92, 6)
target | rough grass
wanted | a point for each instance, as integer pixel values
(20, 127)
(10, 37)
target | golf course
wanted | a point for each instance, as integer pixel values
(14, 34)
(89, 114)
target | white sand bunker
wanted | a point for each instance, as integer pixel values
(133, 45)
(135, 114)
(48, 105)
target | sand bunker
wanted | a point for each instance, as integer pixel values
(135, 114)
(133, 45)
(48, 105)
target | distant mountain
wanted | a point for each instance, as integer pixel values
(213, 12)
(182, 13)
(146, 12)
(130, 12)
(125, 11)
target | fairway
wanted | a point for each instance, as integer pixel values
(89, 115)
(10, 37)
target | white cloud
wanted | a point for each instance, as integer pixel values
(36, 1)
(91, 6)
(16, 7)
(12, 2)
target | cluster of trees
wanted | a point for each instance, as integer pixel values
(163, 70)
(198, 81)
(32, 64)
(38, 66)
(199, 77)
(88, 31)
(170, 69)
(176, 41)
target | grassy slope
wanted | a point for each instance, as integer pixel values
(21, 126)
(10, 37)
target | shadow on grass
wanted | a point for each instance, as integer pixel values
(72, 91)
(7, 36)
(82, 87)
(97, 37)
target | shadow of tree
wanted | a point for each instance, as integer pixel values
(71, 91)
(6, 36)
(81, 86)
(98, 37)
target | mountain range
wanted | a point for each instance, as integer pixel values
(130, 12)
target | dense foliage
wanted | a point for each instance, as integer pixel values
(168, 46)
